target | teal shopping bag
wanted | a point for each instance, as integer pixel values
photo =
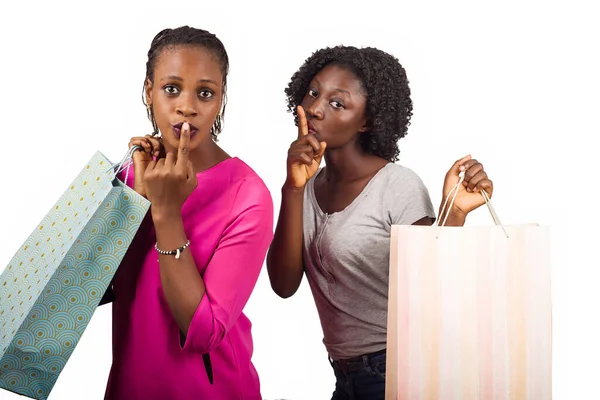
(53, 284)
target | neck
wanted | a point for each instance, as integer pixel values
(350, 163)
(207, 155)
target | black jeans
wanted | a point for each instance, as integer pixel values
(360, 378)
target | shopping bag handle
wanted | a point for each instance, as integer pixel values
(124, 164)
(486, 197)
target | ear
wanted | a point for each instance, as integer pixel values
(148, 91)
(366, 127)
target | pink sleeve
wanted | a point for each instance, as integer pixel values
(234, 268)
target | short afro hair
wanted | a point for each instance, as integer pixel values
(389, 107)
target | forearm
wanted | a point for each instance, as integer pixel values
(284, 260)
(182, 285)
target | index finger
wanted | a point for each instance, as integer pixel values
(183, 152)
(302, 124)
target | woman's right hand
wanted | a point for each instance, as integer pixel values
(152, 148)
(304, 155)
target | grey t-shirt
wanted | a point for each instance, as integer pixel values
(346, 257)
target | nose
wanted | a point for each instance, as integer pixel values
(314, 109)
(186, 106)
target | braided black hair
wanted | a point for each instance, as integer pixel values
(188, 36)
(382, 77)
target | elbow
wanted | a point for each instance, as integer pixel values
(204, 332)
(204, 342)
(211, 344)
(282, 284)
(285, 278)
(283, 291)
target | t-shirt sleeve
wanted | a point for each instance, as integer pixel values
(234, 268)
(408, 199)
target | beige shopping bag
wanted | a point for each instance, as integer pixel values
(469, 313)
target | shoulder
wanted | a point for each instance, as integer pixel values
(247, 187)
(247, 179)
(401, 186)
(406, 196)
(401, 177)
(251, 205)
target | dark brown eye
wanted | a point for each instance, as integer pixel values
(170, 89)
(206, 94)
(337, 104)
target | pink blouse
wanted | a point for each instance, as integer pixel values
(229, 222)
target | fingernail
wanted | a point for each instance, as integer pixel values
(462, 168)
(185, 126)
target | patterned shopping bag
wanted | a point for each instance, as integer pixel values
(53, 284)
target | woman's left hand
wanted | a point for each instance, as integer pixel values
(170, 181)
(469, 197)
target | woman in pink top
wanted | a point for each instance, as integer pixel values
(178, 327)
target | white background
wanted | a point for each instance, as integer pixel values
(514, 83)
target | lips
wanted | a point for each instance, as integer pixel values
(311, 128)
(177, 129)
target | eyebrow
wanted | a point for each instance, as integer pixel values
(336, 89)
(179, 79)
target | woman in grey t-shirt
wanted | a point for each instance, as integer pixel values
(352, 106)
